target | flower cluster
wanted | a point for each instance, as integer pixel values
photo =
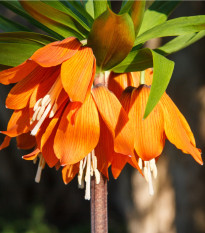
(84, 127)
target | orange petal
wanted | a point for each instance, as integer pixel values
(16, 74)
(77, 74)
(177, 131)
(115, 118)
(74, 141)
(57, 52)
(25, 141)
(20, 94)
(118, 164)
(148, 133)
(118, 82)
(69, 172)
(46, 138)
(32, 155)
(18, 123)
(104, 149)
(5, 143)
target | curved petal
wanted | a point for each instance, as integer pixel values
(46, 138)
(104, 149)
(77, 74)
(115, 118)
(69, 172)
(73, 141)
(25, 141)
(177, 131)
(16, 74)
(57, 52)
(32, 155)
(118, 82)
(18, 123)
(5, 142)
(148, 133)
(118, 164)
(20, 94)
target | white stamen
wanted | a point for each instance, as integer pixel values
(140, 163)
(41, 165)
(36, 113)
(46, 100)
(53, 110)
(88, 168)
(40, 113)
(151, 189)
(150, 169)
(40, 122)
(87, 178)
(37, 104)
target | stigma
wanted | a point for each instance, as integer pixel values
(150, 169)
(88, 168)
(46, 106)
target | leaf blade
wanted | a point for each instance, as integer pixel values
(174, 27)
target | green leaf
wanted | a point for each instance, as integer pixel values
(126, 5)
(157, 13)
(13, 54)
(17, 8)
(137, 60)
(99, 7)
(89, 7)
(137, 12)
(61, 7)
(163, 69)
(174, 27)
(9, 26)
(83, 9)
(26, 37)
(111, 38)
(180, 42)
(56, 20)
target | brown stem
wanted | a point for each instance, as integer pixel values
(99, 220)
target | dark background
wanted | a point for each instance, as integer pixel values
(178, 204)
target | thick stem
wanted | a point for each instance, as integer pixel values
(99, 219)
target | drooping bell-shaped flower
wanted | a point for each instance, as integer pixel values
(164, 122)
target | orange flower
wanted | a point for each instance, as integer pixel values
(53, 100)
(164, 122)
(45, 81)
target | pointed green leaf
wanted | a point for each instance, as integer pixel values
(163, 69)
(15, 6)
(83, 9)
(137, 13)
(9, 26)
(111, 38)
(174, 27)
(13, 54)
(61, 7)
(157, 13)
(56, 20)
(99, 7)
(26, 37)
(180, 42)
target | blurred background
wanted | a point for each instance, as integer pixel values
(178, 205)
